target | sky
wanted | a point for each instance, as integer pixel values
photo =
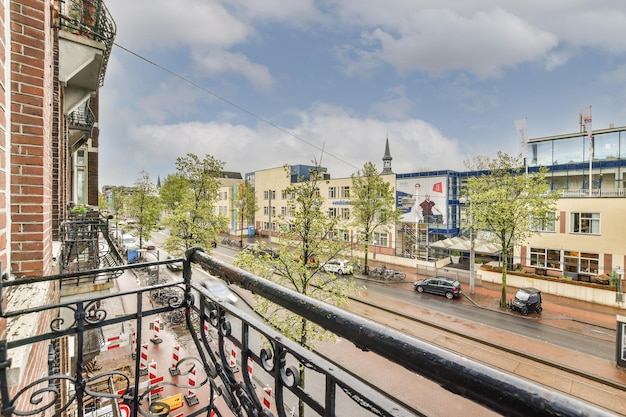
(263, 83)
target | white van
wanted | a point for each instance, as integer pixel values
(129, 242)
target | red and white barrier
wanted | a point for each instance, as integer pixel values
(233, 357)
(250, 366)
(143, 360)
(267, 397)
(155, 379)
(157, 332)
(114, 342)
(175, 358)
(191, 398)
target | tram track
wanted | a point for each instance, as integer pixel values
(594, 389)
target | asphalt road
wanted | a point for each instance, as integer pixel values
(529, 328)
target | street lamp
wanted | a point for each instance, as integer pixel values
(472, 277)
(619, 296)
(240, 204)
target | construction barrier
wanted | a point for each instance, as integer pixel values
(154, 379)
(175, 358)
(157, 332)
(143, 360)
(191, 398)
(267, 397)
(114, 342)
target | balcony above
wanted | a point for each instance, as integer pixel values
(86, 37)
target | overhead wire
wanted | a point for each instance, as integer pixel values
(233, 104)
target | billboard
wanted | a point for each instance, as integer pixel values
(423, 199)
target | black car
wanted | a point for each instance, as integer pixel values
(439, 285)
(527, 300)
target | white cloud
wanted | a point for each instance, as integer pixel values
(348, 142)
(436, 41)
(152, 24)
(222, 62)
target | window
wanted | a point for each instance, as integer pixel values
(380, 239)
(345, 214)
(283, 194)
(585, 223)
(273, 211)
(332, 192)
(266, 210)
(581, 266)
(345, 192)
(332, 212)
(223, 210)
(283, 211)
(269, 194)
(546, 224)
(317, 193)
(545, 258)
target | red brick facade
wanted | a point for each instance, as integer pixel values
(31, 153)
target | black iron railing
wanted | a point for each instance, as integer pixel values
(222, 339)
(90, 18)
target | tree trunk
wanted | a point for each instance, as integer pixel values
(505, 262)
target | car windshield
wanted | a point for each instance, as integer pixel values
(522, 295)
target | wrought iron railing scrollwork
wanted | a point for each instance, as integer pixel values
(236, 358)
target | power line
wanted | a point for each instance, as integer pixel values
(233, 104)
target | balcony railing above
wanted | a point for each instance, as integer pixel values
(72, 385)
(89, 19)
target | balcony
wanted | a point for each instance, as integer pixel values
(229, 351)
(86, 37)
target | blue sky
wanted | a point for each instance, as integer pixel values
(262, 83)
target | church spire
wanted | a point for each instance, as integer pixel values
(387, 160)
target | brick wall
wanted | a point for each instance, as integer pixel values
(4, 172)
(31, 142)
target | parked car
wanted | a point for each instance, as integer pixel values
(257, 250)
(148, 245)
(220, 291)
(174, 266)
(527, 300)
(449, 287)
(338, 266)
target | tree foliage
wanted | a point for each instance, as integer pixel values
(192, 194)
(373, 205)
(144, 205)
(246, 203)
(506, 201)
(306, 240)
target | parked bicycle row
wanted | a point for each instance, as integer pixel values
(387, 273)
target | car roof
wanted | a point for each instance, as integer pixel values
(530, 290)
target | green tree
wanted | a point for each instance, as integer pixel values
(373, 205)
(305, 234)
(173, 190)
(247, 205)
(505, 203)
(193, 221)
(144, 205)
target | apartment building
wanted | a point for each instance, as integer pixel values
(54, 58)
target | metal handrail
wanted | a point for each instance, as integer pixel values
(278, 357)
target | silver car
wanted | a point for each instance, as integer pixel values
(338, 266)
(220, 291)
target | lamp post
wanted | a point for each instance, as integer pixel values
(417, 219)
(619, 296)
(472, 272)
(240, 204)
